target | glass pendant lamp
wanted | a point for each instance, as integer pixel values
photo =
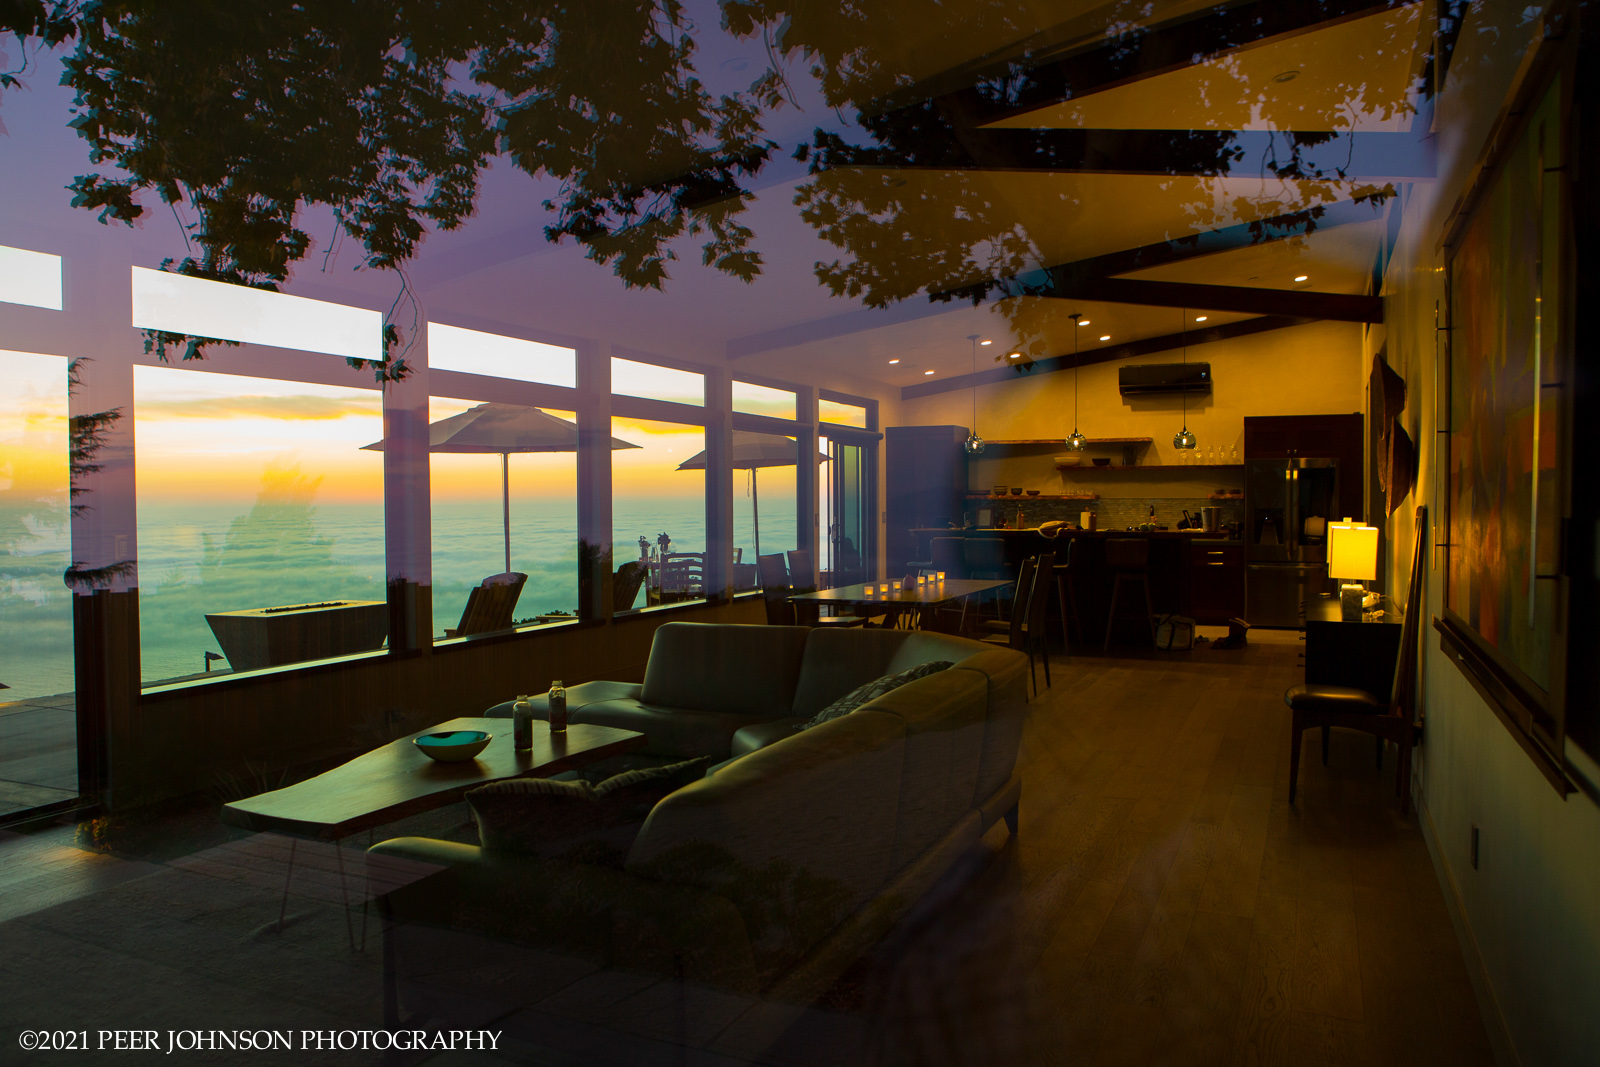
(974, 444)
(1183, 438)
(1076, 442)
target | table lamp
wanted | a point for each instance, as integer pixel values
(1352, 559)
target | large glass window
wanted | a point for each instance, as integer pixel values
(658, 511)
(261, 535)
(752, 399)
(490, 504)
(38, 764)
(476, 352)
(35, 533)
(841, 414)
(764, 482)
(631, 378)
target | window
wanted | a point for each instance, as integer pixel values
(630, 378)
(658, 510)
(178, 303)
(35, 533)
(475, 352)
(261, 534)
(764, 498)
(760, 400)
(488, 504)
(841, 414)
(32, 278)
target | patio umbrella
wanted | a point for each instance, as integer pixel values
(503, 429)
(752, 451)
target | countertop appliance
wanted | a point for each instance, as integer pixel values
(1288, 504)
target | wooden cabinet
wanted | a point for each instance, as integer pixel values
(925, 483)
(1291, 437)
(1216, 581)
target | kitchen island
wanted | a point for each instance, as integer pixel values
(1191, 573)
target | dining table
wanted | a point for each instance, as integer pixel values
(908, 607)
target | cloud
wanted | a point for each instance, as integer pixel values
(261, 407)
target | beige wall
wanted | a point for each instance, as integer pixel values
(1305, 370)
(1529, 914)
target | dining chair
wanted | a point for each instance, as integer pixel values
(682, 576)
(1013, 632)
(490, 605)
(1128, 558)
(1066, 596)
(625, 585)
(948, 554)
(775, 590)
(1393, 719)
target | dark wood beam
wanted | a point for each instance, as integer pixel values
(1148, 346)
(1321, 155)
(1052, 76)
(1067, 275)
(1299, 303)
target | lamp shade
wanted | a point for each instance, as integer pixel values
(1352, 551)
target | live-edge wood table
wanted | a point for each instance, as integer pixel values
(916, 601)
(397, 780)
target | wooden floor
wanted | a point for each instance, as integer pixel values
(1162, 904)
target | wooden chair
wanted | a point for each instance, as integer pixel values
(1022, 631)
(1066, 596)
(683, 576)
(801, 614)
(775, 590)
(490, 605)
(1325, 706)
(625, 585)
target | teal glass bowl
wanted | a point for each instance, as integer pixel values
(453, 746)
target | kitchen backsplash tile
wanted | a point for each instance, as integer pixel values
(1111, 513)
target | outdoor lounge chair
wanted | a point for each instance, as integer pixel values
(489, 605)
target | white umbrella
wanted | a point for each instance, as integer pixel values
(503, 429)
(752, 451)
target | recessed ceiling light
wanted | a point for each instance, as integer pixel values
(986, 342)
(1105, 337)
(1287, 76)
(927, 372)
(1083, 322)
(894, 361)
(1302, 278)
(1015, 355)
(1200, 318)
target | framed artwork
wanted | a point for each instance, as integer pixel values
(1509, 425)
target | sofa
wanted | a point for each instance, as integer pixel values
(773, 872)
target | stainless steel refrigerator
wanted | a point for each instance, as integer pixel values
(1288, 505)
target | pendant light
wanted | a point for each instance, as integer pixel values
(1076, 442)
(1183, 438)
(974, 443)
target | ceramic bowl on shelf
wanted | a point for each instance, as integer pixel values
(1102, 461)
(999, 490)
(1033, 492)
(1072, 459)
(453, 746)
(1016, 490)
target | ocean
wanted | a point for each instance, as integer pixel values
(195, 559)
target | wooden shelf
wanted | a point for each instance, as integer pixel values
(1025, 498)
(1062, 441)
(1154, 467)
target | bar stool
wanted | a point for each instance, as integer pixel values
(1129, 559)
(1066, 596)
(985, 558)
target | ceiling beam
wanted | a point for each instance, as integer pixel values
(1288, 155)
(1299, 303)
(1140, 52)
(1067, 275)
(1148, 346)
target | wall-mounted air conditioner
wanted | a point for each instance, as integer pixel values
(1139, 378)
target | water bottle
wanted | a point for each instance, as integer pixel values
(558, 708)
(522, 725)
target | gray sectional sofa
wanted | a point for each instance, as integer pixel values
(774, 871)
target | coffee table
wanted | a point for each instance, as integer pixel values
(397, 780)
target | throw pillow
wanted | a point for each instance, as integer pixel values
(575, 820)
(861, 694)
